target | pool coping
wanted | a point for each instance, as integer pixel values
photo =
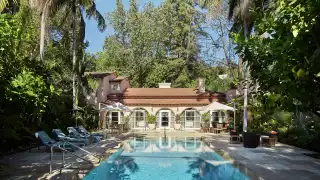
(243, 168)
(236, 164)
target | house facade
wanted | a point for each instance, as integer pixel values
(170, 106)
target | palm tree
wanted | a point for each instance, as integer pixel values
(241, 13)
(90, 8)
(48, 8)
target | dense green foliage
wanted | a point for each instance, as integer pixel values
(151, 45)
(279, 40)
(283, 56)
(159, 44)
(33, 94)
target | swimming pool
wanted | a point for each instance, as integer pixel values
(166, 158)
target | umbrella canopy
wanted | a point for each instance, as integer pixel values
(116, 107)
(217, 106)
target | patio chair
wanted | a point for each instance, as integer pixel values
(269, 139)
(217, 129)
(48, 142)
(60, 136)
(204, 128)
(83, 131)
(234, 135)
(225, 127)
(75, 134)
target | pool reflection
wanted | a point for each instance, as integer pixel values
(167, 158)
(167, 144)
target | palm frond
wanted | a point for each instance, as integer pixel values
(82, 30)
(5, 3)
(56, 5)
(92, 11)
(232, 7)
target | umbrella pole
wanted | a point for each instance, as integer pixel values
(234, 115)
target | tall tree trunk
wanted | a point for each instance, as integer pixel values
(44, 13)
(245, 98)
(74, 60)
(246, 85)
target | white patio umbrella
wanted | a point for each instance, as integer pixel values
(218, 106)
(116, 107)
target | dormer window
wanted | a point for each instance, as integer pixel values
(115, 86)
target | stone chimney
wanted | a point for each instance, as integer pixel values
(164, 85)
(201, 85)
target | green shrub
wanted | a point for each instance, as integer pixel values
(151, 119)
(205, 117)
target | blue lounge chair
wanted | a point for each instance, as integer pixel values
(83, 131)
(48, 142)
(75, 134)
(60, 136)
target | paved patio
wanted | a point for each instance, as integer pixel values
(35, 164)
(280, 162)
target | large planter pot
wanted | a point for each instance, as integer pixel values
(152, 126)
(206, 125)
(177, 126)
(250, 140)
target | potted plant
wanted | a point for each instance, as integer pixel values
(126, 120)
(177, 124)
(205, 120)
(151, 120)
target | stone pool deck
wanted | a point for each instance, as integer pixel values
(280, 162)
(34, 164)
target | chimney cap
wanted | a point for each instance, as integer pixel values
(164, 85)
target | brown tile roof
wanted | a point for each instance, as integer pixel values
(119, 78)
(165, 97)
(168, 102)
(98, 74)
(164, 92)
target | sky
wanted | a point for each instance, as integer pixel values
(93, 35)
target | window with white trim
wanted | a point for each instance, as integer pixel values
(114, 116)
(115, 86)
(218, 116)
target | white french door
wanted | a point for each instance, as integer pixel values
(139, 119)
(165, 118)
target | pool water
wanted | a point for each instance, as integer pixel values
(166, 158)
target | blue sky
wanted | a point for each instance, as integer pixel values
(93, 35)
